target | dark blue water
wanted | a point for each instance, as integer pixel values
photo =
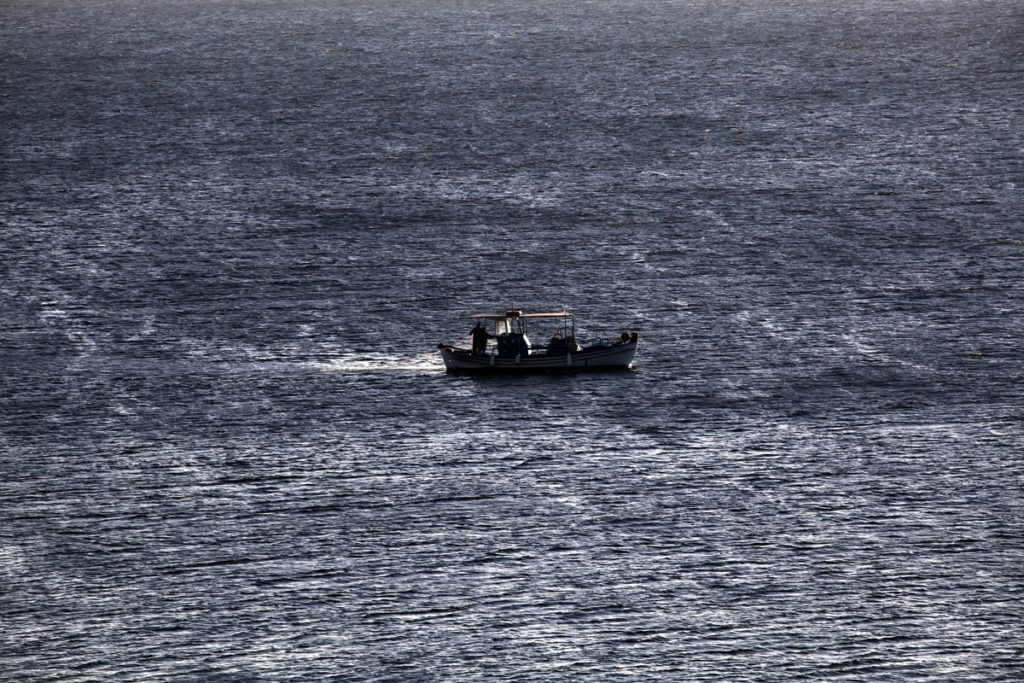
(233, 233)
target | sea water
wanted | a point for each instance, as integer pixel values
(233, 233)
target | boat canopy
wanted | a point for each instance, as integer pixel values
(516, 313)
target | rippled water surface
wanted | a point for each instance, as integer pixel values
(233, 233)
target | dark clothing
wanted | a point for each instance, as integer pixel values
(480, 337)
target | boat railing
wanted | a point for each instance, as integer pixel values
(565, 345)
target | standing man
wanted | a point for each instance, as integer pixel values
(480, 337)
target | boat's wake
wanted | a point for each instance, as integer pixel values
(381, 362)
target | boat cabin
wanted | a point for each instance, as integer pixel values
(510, 332)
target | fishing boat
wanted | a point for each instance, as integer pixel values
(501, 344)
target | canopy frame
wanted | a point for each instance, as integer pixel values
(515, 320)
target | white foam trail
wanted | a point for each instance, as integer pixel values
(381, 362)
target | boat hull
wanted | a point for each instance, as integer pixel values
(610, 357)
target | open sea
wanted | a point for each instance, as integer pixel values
(232, 233)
